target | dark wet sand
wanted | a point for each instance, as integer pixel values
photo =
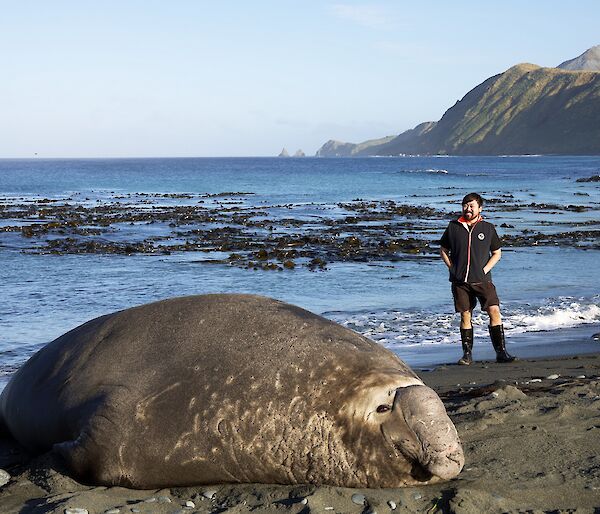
(532, 444)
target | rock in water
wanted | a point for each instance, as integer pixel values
(229, 388)
(593, 178)
(283, 153)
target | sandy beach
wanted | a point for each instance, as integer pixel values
(530, 431)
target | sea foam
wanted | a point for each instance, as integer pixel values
(396, 328)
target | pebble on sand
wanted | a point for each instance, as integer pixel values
(76, 510)
(190, 504)
(392, 504)
(4, 477)
(210, 493)
(554, 376)
(359, 499)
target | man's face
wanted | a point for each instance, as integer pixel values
(471, 210)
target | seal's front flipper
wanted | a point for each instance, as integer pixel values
(90, 461)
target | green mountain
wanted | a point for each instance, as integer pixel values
(525, 110)
(340, 149)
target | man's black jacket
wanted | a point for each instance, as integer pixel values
(470, 249)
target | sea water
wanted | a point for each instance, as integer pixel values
(550, 294)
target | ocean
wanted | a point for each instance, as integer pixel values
(85, 237)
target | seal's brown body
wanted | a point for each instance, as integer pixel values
(228, 388)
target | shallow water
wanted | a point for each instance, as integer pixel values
(549, 293)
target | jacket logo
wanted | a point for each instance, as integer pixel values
(481, 236)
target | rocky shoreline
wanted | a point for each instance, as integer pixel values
(225, 229)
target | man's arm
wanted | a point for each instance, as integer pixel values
(444, 252)
(495, 257)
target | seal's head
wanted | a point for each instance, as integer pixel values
(400, 421)
(419, 429)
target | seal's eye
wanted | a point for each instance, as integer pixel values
(383, 408)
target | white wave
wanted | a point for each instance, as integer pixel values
(428, 170)
(523, 155)
(394, 328)
(556, 317)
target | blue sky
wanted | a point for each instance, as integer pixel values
(197, 78)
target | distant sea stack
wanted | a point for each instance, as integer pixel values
(525, 110)
(283, 153)
(299, 153)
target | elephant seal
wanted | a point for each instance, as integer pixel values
(229, 388)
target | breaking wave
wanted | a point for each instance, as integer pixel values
(568, 313)
(394, 328)
(427, 170)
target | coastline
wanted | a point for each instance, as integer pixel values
(556, 344)
(529, 430)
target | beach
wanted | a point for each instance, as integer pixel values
(530, 431)
(355, 241)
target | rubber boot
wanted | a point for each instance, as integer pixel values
(497, 337)
(466, 336)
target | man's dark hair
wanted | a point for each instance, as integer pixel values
(472, 196)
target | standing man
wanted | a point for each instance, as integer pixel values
(470, 247)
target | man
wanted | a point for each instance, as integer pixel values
(470, 247)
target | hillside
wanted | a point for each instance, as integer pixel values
(525, 110)
(340, 149)
(587, 61)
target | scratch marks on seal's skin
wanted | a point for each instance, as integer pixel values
(278, 384)
(296, 403)
(122, 467)
(145, 403)
(186, 440)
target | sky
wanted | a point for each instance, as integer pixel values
(184, 78)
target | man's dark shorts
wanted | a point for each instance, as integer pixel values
(466, 295)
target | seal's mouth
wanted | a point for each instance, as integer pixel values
(417, 471)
